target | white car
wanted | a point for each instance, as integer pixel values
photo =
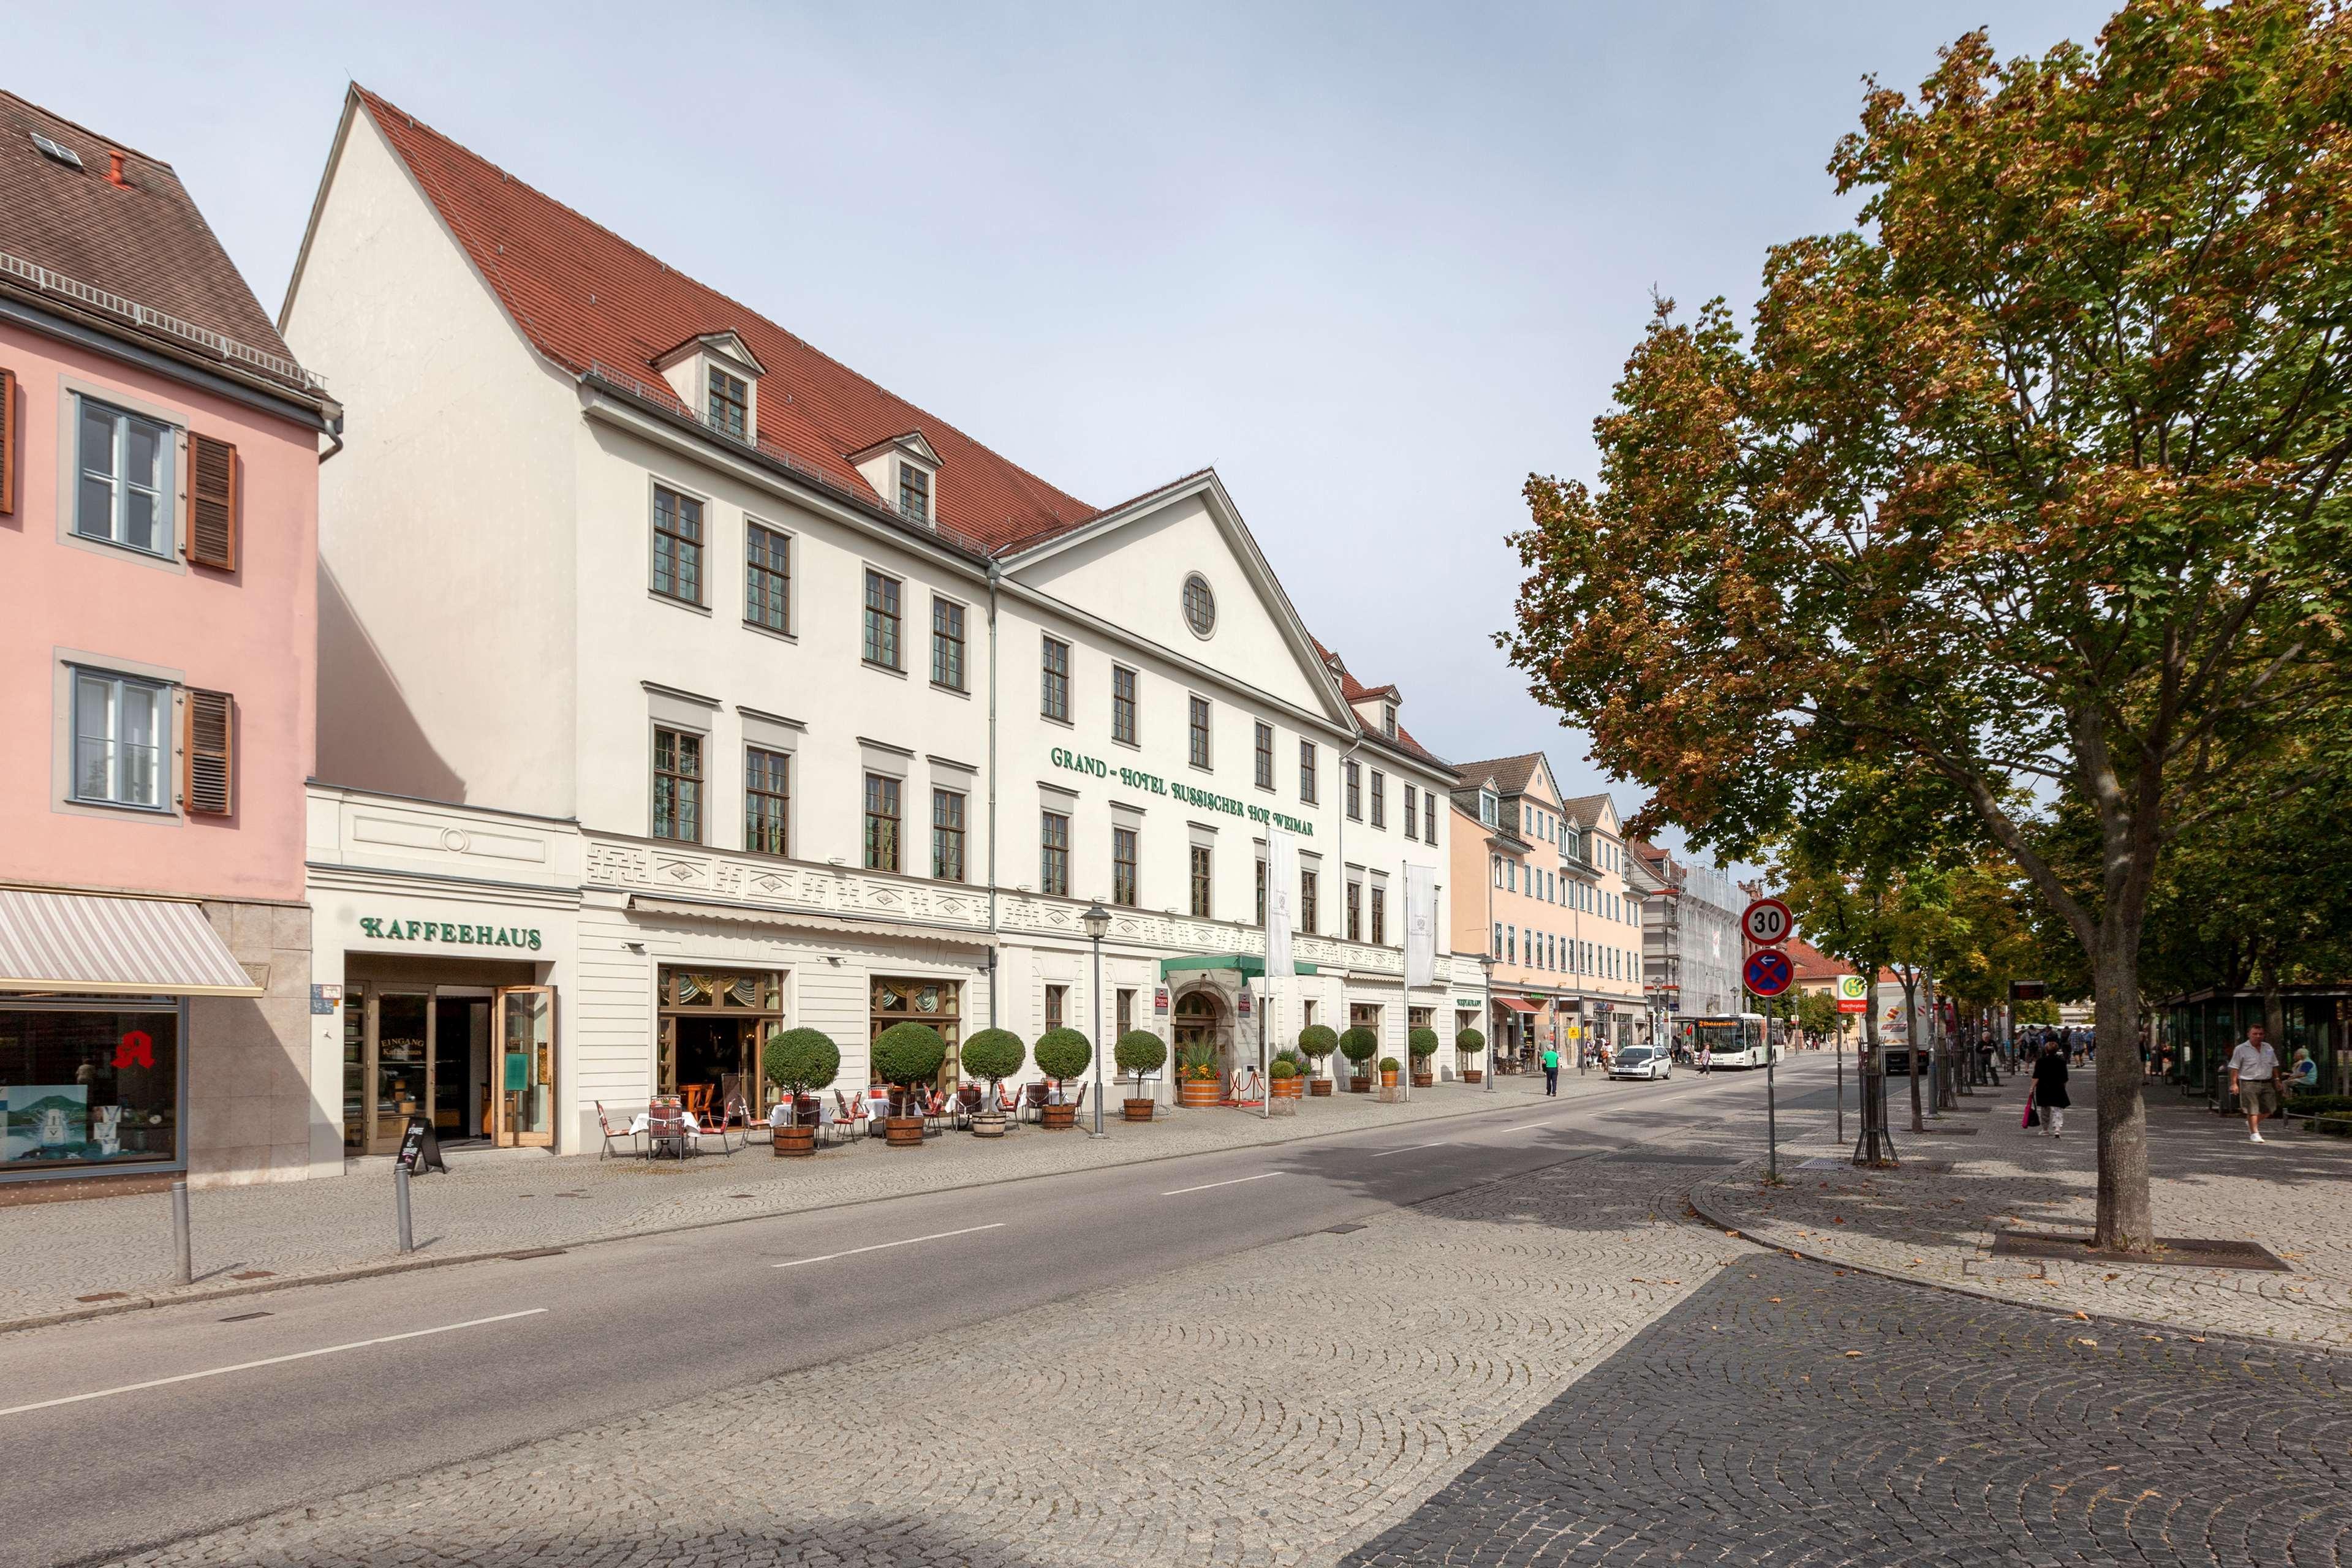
(1641, 1061)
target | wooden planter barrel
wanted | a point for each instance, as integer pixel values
(903, 1132)
(1197, 1091)
(1139, 1109)
(1289, 1088)
(1060, 1118)
(1473, 1075)
(1388, 1079)
(1422, 1079)
(795, 1142)
(988, 1124)
(1319, 1087)
(1360, 1086)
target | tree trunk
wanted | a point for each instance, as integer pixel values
(2273, 1005)
(1911, 1038)
(2126, 1221)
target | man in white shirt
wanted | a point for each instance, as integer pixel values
(2253, 1078)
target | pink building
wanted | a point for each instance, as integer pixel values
(159, 456)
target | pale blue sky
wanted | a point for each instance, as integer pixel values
(1375, 263)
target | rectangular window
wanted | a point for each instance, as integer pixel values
(1261, 892)
(882, 822)
(1309, 1009)
(767, 577)
(1510, 943)
(1199, 727)
(1201, 857)
(1380, 799)
(1053, 695)
(109, 1083)
(1496, 948)
(1264, 756)
(947, 835)
(731, 405)
(1411, 812)
(767, 800)
(1057, 1003)
(121, 729)
(1122, 867)
(1125, 1010)
(1309, 912)
(1355, 912)
(1352, 782)
(882, 621)
(1388, 720)
(1429, 817)
(677, 786)
(1054, 854)
(677, 546)
(947, 643)
(1122, 704)
(125, 488)
(1511, 876)
(914, 493)
(1307, 772)
(1379, 915)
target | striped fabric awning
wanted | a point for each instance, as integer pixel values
(90, 942)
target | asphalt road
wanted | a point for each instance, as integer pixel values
(130, 1431)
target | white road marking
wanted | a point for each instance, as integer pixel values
(268, 1361)
(1410, 1147)
(1207, 1184)
(885, 1245)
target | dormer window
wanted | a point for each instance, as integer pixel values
(914, 493)
(1490, 808)
(1388, 720)
(730, 404)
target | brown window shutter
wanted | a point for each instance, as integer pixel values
(7, 442)
(212, 719)
(212, 502)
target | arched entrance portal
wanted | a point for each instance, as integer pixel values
(1199, 1019)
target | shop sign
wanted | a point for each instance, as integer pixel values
(1469, 1004)
(460, 934)
(324, 999)
(1152, 784)
(1160, 1000)
(1244, 1008)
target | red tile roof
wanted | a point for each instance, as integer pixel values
(1353, 690)
(584, 296)
(1812, 964)
(142, 240)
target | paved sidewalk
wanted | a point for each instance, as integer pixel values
(2288, 1193)
(250, 1236)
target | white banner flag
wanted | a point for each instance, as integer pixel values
(1281, 878)
(1420, 925)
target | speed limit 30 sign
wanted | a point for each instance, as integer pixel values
(1768, 923)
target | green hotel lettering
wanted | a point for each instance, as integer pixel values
(443, 931)
(1151, 783)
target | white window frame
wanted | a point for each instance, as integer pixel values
(119, 485)
(163, 743)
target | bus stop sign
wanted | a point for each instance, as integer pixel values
(1769, 972)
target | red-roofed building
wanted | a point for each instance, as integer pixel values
(754, 693)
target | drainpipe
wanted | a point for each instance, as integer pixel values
(994, 573)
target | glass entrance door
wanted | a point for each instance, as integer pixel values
(403, 1076)
(523, 1097)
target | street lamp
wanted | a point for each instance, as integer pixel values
(1096, 920)
(1486, 1013)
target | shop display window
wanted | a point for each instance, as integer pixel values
(88, 1087)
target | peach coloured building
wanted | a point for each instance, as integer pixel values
(159, 460)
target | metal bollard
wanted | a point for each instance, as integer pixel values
(187, 1274)
(400, 1206)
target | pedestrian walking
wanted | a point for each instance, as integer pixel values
(1706, 1058)
(2049, 1092)
(1551, 1070)
(2253, 1080)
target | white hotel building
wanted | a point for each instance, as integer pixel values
(679, 683)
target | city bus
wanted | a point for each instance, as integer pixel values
(1737, 1040)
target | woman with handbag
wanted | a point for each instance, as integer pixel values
(2049, 1093)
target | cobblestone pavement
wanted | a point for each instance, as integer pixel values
(2210, 1182)
(1274, 1406)
(1784, 1415)
(487, 1206)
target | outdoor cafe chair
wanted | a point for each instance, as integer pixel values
(719, 1124)
(605, 1125)
(665, 1125)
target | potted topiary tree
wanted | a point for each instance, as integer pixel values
(1282, 1074)
(1359, 1045)
(1196, 1075)
(1470, 1043)
(1292, 1084)
(907, 1054)
(1139, 1054)
(1317, 1043)
(1422, 1043)
(798, 1061)
(1062, 1055)
(995, 1054)
(1390, 1068)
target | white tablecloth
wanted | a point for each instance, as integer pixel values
(642, 1123)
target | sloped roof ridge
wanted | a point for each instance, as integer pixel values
(1015, 545)
(1046, 503)
(95, 135)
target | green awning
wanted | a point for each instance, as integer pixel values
(1249, 968)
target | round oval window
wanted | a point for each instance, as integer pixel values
(1199, 605)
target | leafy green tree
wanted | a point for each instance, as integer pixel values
(2035, 480)
(1817, 1014)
